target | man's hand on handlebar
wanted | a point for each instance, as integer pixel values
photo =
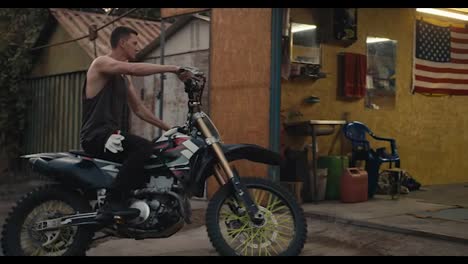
(173, 130)
(184, 74)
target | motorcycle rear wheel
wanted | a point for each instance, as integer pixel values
(283, 232)
(19, 237)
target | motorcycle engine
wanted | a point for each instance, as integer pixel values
(156, 214)
(157, 210)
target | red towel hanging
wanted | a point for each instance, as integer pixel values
(354, 75)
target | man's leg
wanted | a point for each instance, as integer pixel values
(136, 151)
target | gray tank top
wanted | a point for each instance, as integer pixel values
(106, 112)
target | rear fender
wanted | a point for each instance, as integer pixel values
(47, 155)
(70, 171)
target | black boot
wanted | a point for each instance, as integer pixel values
(114, 205)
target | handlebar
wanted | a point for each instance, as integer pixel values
(194, 87)
(194, 71)
(195, 83)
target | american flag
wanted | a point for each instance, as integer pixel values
(441, 59)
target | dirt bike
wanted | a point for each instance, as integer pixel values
(246, 216)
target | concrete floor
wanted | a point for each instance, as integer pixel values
(447, 194)
(325, 238)
(377, 227)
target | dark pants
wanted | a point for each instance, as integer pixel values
(136, 150)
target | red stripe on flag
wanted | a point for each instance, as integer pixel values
(457, 50)
(420, 89)
(459, 30)
(442, 77)
(459, 40)
(440, 80)
(440, 70)
(459, 61)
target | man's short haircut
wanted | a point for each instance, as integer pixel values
(118, 33)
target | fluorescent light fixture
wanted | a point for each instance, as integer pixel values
(374, 40)
(439, 12)
(301, 27)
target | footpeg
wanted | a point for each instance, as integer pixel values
(130, 213)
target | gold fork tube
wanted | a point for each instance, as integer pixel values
(217, 148)
(219, 176)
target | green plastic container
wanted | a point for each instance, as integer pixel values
(336, 165)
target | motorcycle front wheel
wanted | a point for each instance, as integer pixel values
(283, 231)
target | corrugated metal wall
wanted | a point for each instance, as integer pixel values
(54, 115)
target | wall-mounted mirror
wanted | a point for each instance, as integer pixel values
(381, 74)
(305, 47)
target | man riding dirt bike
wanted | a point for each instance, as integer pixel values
(246, 216)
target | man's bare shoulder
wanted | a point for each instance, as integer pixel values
(108, 65)
(100, 60)
(99, 64)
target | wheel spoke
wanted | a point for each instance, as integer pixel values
(272, 247)
(286, 227)
(242, 243)
(279, 208)
(277, 241)
(238, 231)
(275, 236)
(260, 242)
(232, 216)
(260, 198)
(272, 205)
(37, 252)
(250, 239)
(277, 231)
(31, 240)
(278, 216)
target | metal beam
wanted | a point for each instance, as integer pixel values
(275, 91)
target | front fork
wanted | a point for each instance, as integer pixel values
(239, 188)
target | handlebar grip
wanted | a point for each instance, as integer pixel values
(188, 82)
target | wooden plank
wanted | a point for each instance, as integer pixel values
(170, 12)
(240, 79)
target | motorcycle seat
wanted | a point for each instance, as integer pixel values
(82, 153)
(87, 155)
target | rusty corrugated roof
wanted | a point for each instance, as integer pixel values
(76, 24)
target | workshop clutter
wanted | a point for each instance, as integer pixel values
(353, 185)
(335, 167)
(293, 171)
(406, 183)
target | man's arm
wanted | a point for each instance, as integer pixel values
(108, 65)
(140, 109)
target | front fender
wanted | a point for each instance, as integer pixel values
(204, 162)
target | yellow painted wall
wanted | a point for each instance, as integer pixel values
(430, 131)
(64, 58)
